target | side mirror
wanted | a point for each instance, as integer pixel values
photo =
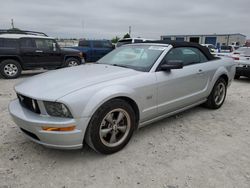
(172, 64)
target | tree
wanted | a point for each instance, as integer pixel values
(115, 40)
(126, 36)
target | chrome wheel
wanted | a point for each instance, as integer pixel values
(115, 127)
(10, 69)
(72, 63)
(220, 93)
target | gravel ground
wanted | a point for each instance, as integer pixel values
(199, 148)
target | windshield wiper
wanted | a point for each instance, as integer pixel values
(124, 66)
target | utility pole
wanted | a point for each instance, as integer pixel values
(129, 30)
(12, 23)
(83, 27)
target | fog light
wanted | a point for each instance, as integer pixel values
(71, 128)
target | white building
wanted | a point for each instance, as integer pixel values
(215, 39)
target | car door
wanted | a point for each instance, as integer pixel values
(28, 52)
(178, 88)
(99, 49)
(47, 52)
(107, 47)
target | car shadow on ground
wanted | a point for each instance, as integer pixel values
(243, 80)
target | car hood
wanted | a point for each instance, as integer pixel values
(56, 84)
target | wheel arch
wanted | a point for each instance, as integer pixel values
(108, 94)
(220, 73)
(71, 56)
(16, 58)
(225, 77)
(133, 104)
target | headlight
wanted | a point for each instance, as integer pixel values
(57, 109)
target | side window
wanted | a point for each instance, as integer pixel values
(1, 43)
(10, 43)
(203, 58)
(97, 44)
(191, 56)
(26, 43)
(175, 55)
(84, 43)
(187, 55)
(45, 44)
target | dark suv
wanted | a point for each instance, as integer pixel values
(33, 50)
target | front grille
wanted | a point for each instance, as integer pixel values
(32, 135)
(29, 103)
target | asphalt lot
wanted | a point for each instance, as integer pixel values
(199, 148)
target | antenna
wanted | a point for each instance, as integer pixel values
(12, 23)
(129, 30)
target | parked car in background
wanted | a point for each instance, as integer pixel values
(225, 51)
(93, 50)
(103, 103)
(122, 42)
(211, 48)
(242, 58)
(33, 50)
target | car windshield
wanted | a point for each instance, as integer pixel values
(137, 57)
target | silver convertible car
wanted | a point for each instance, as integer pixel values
(103, 103)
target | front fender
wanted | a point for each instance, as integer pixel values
(84, 102)
(106, 94)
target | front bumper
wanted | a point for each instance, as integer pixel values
(31, 124)
(243, 71)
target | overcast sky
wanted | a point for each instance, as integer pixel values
(99, 19)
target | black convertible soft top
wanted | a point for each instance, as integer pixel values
(177, 44)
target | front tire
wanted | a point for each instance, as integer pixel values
(72, 62)
(10, 69)
(111, 127)
(218, 94)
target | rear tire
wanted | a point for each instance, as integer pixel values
(111, 127)
(218, 95)
(72, 62)
(10, 69)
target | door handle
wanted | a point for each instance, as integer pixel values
(39, 51)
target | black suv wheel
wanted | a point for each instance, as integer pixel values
(72, 62)
(10, 69)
